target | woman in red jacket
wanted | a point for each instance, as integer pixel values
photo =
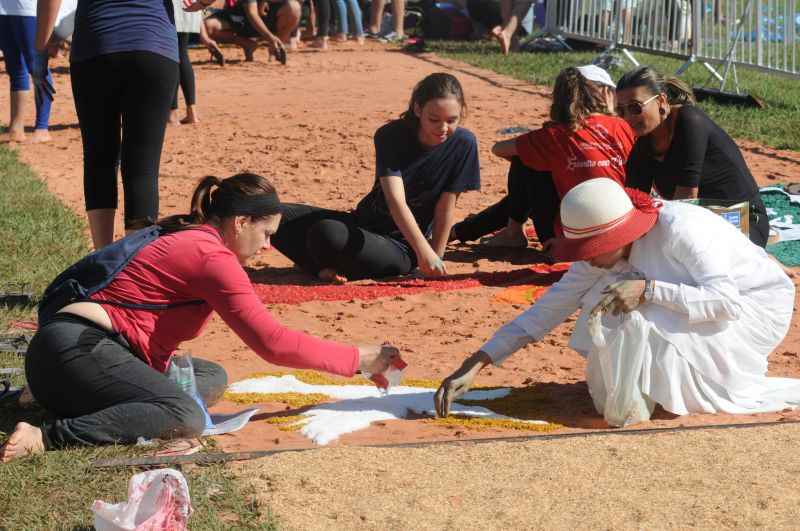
(99, 366)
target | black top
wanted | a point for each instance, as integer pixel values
(701, 155)
(452, 166)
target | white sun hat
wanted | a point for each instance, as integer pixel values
(599, 216)
(597, 74)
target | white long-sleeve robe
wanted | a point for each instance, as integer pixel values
(720, 307)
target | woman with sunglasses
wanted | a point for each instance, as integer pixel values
(680, 151)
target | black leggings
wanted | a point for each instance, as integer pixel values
(316, 238)
(186, 72)
(325, 10)
(129, 92)
(531, 194)
(101, 393)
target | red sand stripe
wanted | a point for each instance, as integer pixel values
(542, 274)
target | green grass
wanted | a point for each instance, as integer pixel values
(39, 237)
(775, 126)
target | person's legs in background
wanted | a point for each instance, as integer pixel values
(398, 18)
(324, 13)
(358, 23)
(149, 86)
(25, 35)
(18, 77)
(98, 109)
(512, 11)
(187, 85)
(341, 26)
(287, 20)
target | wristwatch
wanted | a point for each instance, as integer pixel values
(649, 286)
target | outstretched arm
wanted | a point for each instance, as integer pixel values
(395, 193)
(443, 221)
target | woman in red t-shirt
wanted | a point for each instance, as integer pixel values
(583, 140)
(98, 366)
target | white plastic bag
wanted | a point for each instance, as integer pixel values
(158, 499)
(615, 368)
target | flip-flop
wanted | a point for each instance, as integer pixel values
(217, 56)
(280, 55)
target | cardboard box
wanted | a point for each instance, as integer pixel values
(735, 212)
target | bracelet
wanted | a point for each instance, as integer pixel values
(649, 287)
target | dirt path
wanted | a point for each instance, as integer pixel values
(309, 126)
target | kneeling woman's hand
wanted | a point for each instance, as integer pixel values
(375, 359)
(459, 382)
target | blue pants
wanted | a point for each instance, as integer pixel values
(17, 36)
(355, 10)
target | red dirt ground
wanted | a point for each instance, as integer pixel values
(309, 127)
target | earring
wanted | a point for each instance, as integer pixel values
(662, 111)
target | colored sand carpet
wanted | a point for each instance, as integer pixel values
(536, 275)
(779, 206)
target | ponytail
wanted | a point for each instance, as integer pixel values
(575, 98)
(244, 194)
(676, 90)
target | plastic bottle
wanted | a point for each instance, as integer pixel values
(389, 378)
(181, 371)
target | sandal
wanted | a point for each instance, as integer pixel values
(217, 57)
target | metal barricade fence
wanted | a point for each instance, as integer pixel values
(761, 34)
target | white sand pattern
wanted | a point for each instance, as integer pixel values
(360, 405)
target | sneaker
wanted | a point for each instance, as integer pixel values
(393, 37)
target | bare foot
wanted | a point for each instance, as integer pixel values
(40, 136)
(26, 440)
(294, 44)
(330, 275)
(506, 238)
(173, 118)
(320, 43)
(341, 37)
(16, 135)
(504, 40)
(361, 40)
(190, 119)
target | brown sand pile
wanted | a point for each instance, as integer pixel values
(710, 479)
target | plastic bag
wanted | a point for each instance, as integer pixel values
(158, 499)
(391, 377)
(615, 368)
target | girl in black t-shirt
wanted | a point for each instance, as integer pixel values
(424, 160)
(680, 151)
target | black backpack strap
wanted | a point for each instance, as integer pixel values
(145, 306)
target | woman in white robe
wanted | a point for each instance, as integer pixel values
(678, 308)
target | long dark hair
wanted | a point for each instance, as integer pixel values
(575, 98)
(243, 194)
(434, 86)
(677, 92)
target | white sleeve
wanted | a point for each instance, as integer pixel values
(713, 296)
(560, 301)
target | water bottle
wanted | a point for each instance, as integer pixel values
(181, 371)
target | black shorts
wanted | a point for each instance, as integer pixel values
(238, 23)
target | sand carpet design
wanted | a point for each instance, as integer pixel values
(358, 406)
(537, 275)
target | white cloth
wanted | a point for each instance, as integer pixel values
(18, 8)
(186, 22)
(27, 8)
(720, 306)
